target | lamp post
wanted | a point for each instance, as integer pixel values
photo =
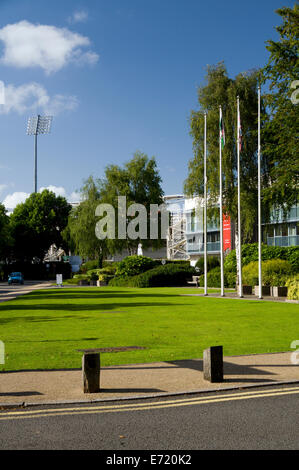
(38, 125)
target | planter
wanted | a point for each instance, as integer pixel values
(247, 290)
(279, 291)
(102, 283)
(83, 282)
(265, 290)
(93, 283)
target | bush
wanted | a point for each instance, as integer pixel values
(134, 265)
(161, 276)
(275, 272)
(212, 262)
(292, 284)
(89, 265)
(214, 278)
(250, 253)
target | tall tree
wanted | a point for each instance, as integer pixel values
(80, 231)
(5, 237)
(280, 134)
(37, 223)
(218, 90)
(139, 181)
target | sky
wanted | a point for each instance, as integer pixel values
(117, 76)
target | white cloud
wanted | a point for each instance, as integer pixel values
(12, 200)
(57, 190)
(78, 17)
(33, 97)
(45, 46)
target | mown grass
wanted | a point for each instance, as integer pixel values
(43, 329)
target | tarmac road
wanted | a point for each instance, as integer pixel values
(262, 418)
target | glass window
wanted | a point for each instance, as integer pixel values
(292, 230)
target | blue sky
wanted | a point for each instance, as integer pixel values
(118, 76)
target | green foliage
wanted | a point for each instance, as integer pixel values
(139, 181)
(292, 284)
(214, 278)
(89, 265)
(5, 237)
(133, 265)
(161, 276)
(250, 253)
(280, 134)
(37, 223)
(275, 272)
(218, 90)
(212, 262)
(80, 231)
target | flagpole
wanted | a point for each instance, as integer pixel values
(205, 207)
(259, 194)
(220, 204)
(239, 200)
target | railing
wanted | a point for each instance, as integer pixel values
(199, 247)
(197, 227)
(292, 240)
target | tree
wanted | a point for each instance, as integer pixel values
(222, 90)
(280, 134)
(5, 237)
(37, 223)
(139, 181)
(80, 231)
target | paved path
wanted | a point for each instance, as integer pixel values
(144, 380)
(15, 290)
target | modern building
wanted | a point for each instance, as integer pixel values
(186, 232)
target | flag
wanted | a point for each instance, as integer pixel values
(239, 130)
(221, 129)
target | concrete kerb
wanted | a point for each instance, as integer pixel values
(4, 406)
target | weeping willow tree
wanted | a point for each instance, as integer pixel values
(220, 90)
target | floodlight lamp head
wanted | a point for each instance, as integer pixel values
(39, 125)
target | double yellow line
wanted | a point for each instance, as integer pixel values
(146, 406)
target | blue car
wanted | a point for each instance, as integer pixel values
(16, 278)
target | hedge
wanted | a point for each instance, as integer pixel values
(275, 272)
(214, 278)
(250, 253)
(293, 287)
(169, 275)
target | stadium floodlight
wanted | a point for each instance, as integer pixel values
(38, 125)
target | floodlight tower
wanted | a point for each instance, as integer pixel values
(38, 125)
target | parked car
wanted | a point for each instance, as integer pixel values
(16, 278)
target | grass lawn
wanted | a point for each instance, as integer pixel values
(43, 329)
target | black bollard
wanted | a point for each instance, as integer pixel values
(91, 373)
(213, 364)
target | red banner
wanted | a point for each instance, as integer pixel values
(227, 239)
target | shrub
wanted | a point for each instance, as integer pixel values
(292, 284)
(133, 265)
(161, 276)
(275, 272)
(214, 278)
(89, 265)
(250, 253)
(212, 262)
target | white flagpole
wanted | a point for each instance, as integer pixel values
(220, 204)
(239, 201)
(259, 194)
(205, 207)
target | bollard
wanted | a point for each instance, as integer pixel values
(91, 373)
(213, 364)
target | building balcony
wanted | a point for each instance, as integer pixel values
(198, 248)
(292, 240)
